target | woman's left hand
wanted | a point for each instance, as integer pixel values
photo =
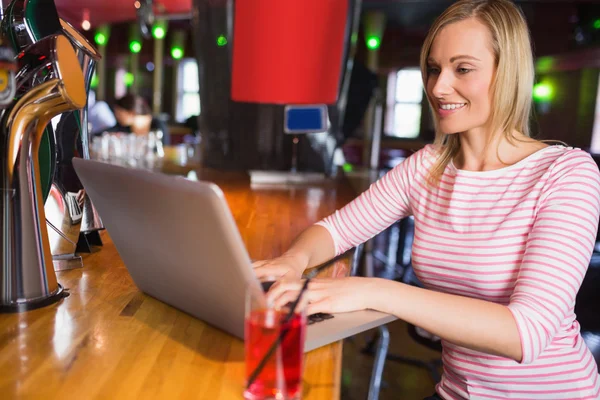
(326, 295)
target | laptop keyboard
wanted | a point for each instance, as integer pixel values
(311, 319)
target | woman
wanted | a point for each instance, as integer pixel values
(504, 224)
(133, 115)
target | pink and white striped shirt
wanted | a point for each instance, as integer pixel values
(521, 236)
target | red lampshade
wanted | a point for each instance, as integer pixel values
(288, 51)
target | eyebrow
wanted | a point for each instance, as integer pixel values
(431, 60)
(464, 56)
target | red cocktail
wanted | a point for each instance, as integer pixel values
(281, 376)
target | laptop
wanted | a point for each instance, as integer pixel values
(180, 244)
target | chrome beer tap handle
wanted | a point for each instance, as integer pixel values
(28, 279)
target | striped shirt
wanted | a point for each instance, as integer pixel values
(521, 236)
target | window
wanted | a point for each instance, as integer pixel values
(405, 94)
(188, 97)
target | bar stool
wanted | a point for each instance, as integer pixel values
(398, 266)
(383, 342)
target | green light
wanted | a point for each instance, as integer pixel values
(347, 167)
(135, 46)
(158, 32)
(543, 92)
(373, 43)
(221, 41)
(544, 64)
(94, 82)
(159, 29)
(597, 23)
(129, 78)
(100, 39)
(177, 53)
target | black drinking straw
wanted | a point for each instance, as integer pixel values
(289, 316)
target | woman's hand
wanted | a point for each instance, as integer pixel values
(327, 295)
(285, 266)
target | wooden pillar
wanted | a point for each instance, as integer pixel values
(101, 39)
(157, 81)
(374, 25)
(177, 43)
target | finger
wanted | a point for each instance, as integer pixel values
(321, 283)
(282, 286)
(323, 305)
(270, 270)
(284, 292)
(292, 295)
(259, 263)
(284, 299)
(285, 285)
(303, 304)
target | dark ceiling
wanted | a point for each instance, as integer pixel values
(418, 15)
(405, 18)
(407, 14)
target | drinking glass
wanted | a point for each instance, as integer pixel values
(269, 332)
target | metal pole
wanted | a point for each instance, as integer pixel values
(376, 131)
(379, 363)
(134, 66)
(101, 72)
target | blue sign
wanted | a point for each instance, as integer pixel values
(305, 119)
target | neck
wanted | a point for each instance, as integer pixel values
(482, 151)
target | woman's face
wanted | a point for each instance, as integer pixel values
(124, 117)
(461, 67)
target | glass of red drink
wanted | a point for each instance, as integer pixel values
(281, 375)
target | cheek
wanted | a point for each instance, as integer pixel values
(429, 87)
(480, 91)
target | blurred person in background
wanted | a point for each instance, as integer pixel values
(133, 115)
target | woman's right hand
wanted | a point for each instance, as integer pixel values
(285, 266)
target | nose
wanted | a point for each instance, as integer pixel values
(442, 84)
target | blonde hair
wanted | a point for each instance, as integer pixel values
(512, 85)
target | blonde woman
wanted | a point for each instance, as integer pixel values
(504, 224)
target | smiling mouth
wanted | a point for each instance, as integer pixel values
(451, 107)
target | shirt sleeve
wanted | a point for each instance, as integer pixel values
(557, 253)
(386, 201)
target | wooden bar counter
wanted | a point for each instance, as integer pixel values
(107, 340)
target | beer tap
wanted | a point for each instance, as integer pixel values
(28, 279)
(71, 228)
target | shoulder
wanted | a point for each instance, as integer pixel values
(569, 161)
(571, 171)
(423, 158)
(416, 166)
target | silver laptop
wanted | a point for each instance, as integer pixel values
(181, 245)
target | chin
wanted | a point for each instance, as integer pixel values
(449, 130)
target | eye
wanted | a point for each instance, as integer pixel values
(433, 71)
(464, 70)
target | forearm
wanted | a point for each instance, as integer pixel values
(312, 247)
(472, 323)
